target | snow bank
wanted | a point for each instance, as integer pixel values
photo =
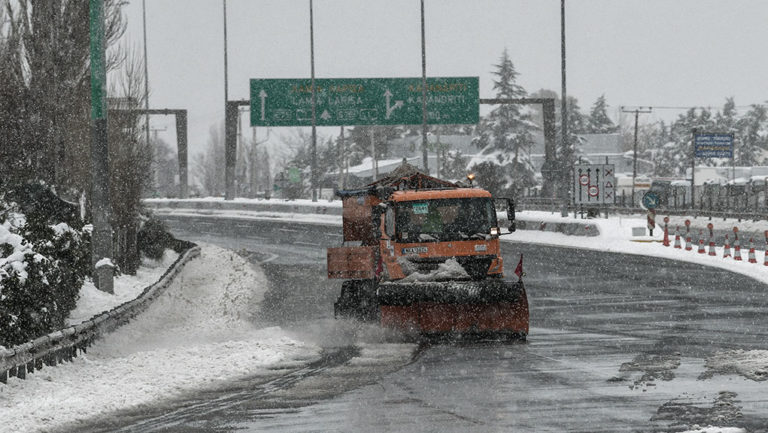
(200, 331)
(93, 301)
(752, 364)
(712, 429)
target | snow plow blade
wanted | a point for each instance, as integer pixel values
(495, 307)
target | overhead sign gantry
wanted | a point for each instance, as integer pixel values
(364, 101)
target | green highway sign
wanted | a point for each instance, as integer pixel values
(364, 101)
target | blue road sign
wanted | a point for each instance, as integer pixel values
(713, 145)
(650, 200)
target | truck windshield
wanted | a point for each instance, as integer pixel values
(445, 219)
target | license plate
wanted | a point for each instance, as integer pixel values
(414, 250)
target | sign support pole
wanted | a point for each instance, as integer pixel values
(100, 199)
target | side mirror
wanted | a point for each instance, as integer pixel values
(389, 222)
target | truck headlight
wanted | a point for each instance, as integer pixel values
(494, 231)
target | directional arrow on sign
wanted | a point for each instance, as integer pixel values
(325, 115)
(263, 96)
(391, 108)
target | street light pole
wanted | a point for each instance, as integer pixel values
(230, 138)
(565, 154)
(424, 155)
(637, 112)
(146, 70)
(313, 168)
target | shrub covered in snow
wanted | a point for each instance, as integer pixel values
(153, 239)
(44, 259)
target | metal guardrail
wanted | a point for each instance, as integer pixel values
(64, 344)
(554, 205)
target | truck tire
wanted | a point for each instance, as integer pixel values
(357, 301)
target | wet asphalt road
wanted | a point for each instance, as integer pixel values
(617, 343)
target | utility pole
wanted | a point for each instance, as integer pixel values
(424, 155)
(101, 252)
(637, 112)
(313, 168)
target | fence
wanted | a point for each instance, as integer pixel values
(745, 201)
(63, 345)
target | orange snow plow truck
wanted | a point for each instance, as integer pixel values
(422, 255)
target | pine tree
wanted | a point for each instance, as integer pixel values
(505, 137)
(753, 136)
(598, 121)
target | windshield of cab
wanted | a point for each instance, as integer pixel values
(444, 219)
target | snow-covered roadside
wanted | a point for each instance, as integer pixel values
(93, 301)
(201, 330)
(616, 236)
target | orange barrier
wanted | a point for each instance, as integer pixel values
(688, 246)
(701, 243)
(666, 231)
(677, 237)
(752, 258)
(736, 245)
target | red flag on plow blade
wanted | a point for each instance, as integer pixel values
(422, 254)
(519, 269)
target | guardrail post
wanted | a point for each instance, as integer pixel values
(21, 372)
(4, 377)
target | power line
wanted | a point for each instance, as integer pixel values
(666, 107)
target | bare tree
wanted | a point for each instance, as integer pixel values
(209, 166)
(46, 87)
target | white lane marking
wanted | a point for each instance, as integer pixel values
(272, 257)
(306, 243)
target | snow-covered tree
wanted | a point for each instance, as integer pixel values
(505, 137)
(598, 121)
(753, 137)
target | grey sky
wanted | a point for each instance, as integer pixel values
(648, 52)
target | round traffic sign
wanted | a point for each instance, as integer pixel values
(584, 179)
(650, 200)
(593, 191)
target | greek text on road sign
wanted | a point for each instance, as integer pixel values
(364, 101)
(594, 184)
(712, 145)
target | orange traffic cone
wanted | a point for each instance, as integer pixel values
(736, 245)
(711, 240)
(727, 248)
(688, 246)
(677, 237)
(701, 243)
(752, 258)
(666, 232)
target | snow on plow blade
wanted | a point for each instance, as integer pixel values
(466, 307)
